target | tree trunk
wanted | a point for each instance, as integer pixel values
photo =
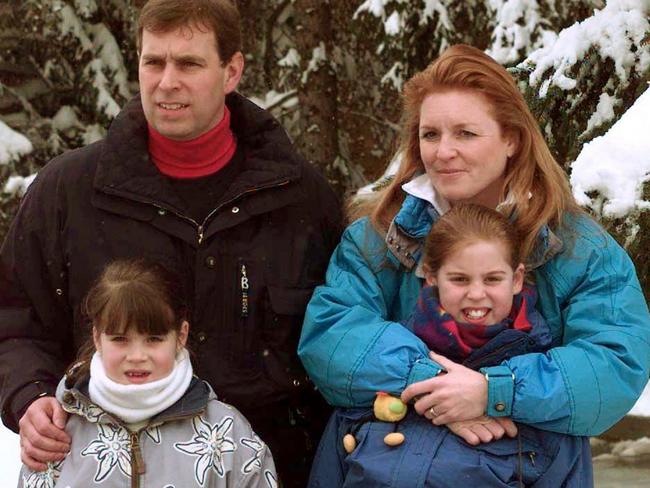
(317, 91)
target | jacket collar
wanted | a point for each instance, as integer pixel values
(76, 399)
(124, 168)
(421, 208)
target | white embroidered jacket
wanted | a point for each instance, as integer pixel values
(197, 442)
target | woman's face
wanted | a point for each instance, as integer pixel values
(463, 148)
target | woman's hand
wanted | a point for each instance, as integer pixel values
(459, 394)
(483, 429)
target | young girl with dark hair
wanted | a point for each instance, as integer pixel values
(138, 415)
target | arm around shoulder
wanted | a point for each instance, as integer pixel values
(32, 310)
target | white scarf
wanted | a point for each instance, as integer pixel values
(135, 403)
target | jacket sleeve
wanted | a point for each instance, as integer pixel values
(264, 476)
(252, 462)
(598, 371)
(349, 347)
(34, 314)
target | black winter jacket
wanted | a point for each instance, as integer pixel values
(250, 267)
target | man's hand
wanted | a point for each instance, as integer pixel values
(42, 438)
(483, 429)
(459, 394)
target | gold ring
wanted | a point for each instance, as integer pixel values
(432, 411)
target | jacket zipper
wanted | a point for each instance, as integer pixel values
(236, 197)
(137, 462)
(138, 466)
(201, 227)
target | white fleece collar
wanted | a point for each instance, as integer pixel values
(135, 403)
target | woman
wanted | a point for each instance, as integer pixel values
(468, 136)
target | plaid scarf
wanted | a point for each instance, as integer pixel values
(457, 340)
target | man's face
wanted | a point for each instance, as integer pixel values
(183, 81)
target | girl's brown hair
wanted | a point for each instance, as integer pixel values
(131, 294)
(467, 223)
(531, 170)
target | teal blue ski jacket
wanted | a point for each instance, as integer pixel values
(353, 344)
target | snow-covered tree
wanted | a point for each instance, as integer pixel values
(331, 71)
(579, 85)
(63, 77)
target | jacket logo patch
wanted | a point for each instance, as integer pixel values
(244, 290)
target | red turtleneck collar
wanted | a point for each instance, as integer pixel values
(195, 158)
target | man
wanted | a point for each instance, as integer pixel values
(195, 176)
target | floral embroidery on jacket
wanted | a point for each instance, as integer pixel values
(89, 411)
(210, 443)
(271, 480)
(43, 479)
(110, 449)
(255, 462)
(153, 433)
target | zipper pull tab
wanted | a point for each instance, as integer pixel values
(243, 282)
(137, 465)
(531, 455)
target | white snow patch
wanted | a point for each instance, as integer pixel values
(9, 456)
(616, 164)
(394, 76)
(604, 111)
(65, 119)
(70, 24)
(436, 6)
(105, 101)
(318, 56)
(375, 7)
(107, 50)
(93, 133)
(272, 97)
(393, 24)
(612, 31)
(17, 185)
(518, 29)
(292, 58)
(85, 7)
(13, 145)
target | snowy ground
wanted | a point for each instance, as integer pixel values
(10, 458)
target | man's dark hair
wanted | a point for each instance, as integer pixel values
(220, 16)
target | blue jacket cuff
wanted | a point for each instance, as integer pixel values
(423, 369)
(501, 390)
